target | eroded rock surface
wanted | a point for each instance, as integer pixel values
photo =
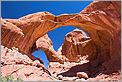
(101, 20)
(78, 46)
(21, 66)
(44, 43)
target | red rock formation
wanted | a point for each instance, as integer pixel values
(103, 29)
(25, 34)
(107, 15)
(44, 43)
(78, 46)
(102, 23)
(101, 20)
(29, 34)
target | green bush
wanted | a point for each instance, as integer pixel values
(9, 78)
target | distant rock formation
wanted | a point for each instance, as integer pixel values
(84, 57)
(78, 46)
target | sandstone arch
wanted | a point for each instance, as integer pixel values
(103, 29)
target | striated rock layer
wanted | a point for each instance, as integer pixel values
(83, 56)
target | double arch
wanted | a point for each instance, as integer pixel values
(29, 28)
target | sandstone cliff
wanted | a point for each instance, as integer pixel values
(91, 57)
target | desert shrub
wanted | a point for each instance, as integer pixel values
(9, 78)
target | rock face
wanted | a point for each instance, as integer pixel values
(24, 31)
(44, 43)
(99, 52)
(78, 46)
(21, 66)
(108, 17)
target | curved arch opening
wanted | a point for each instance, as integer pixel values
(42, 56)
(57, 37)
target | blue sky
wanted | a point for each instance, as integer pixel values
(16, 9)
